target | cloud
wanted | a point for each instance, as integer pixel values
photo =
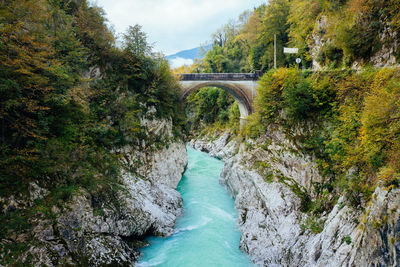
(175, 25)
(179, 61)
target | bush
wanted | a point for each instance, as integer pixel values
(298, 101)
(289, 91)
(347, 239)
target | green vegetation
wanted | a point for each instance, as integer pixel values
(212, 106)
(314, 223)
(54, 119)
(334, 33)
(347, 239)
(70, 100)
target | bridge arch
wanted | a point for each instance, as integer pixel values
(244, 103)
(240, 85)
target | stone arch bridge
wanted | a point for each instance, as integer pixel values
(242, 86)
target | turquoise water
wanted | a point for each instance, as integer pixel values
(206, 235)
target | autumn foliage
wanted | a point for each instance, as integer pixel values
(69, 97)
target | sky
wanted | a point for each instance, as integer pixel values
(175, 25)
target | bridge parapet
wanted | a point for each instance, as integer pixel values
(219, 76)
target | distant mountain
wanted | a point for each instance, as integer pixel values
(190, 53)
(186, 57)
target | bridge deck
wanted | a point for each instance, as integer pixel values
(219, 76)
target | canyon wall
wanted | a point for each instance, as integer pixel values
(106, 228)
(268, 178)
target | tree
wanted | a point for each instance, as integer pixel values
(274, 22)
(135, 41)
(302, 19)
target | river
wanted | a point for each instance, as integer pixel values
(206, 234)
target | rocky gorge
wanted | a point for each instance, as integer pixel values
(269, 200)
(93, 127)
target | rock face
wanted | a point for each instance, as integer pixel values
(270, 217)
(318, 41)
(107, 228)
(384, 57)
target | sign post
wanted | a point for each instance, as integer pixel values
(288, 50)
(293, 50)
(275, 51)
(298, 60)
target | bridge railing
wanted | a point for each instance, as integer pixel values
(220, 76)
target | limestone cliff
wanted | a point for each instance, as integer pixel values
(275, 231)
(106, 228)
(385, 56)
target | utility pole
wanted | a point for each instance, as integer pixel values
(275, 51)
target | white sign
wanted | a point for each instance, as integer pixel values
(288, 50)
(298, 60)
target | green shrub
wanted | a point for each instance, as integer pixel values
(347, 239)
(298, 101)
(313, 223)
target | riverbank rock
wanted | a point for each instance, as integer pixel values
(274, 229)
(105, 227)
